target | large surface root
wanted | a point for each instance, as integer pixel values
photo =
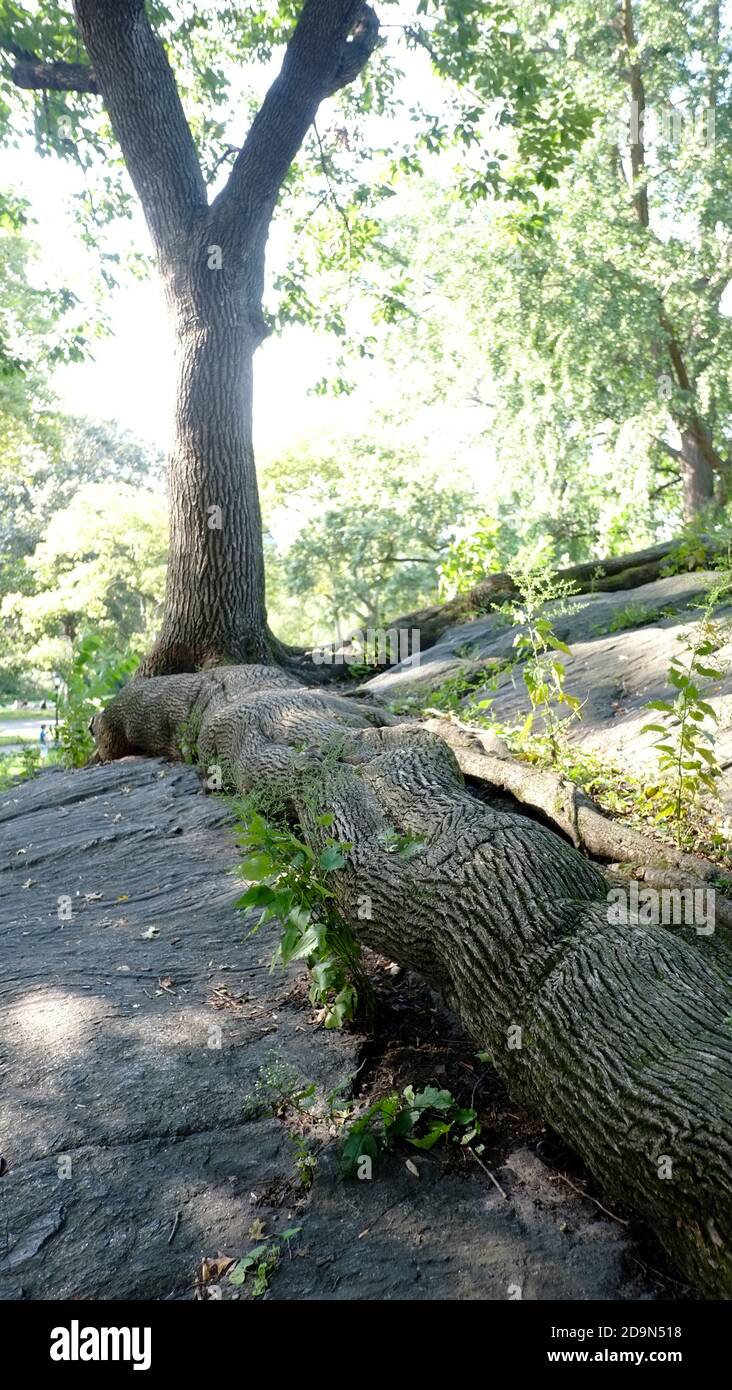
(619, 1035)
(577, 816)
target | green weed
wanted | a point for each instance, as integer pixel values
(293, 885)
(420, 1118)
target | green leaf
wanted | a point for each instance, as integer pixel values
(435, 1132)
(411, 849)
(402, 1123)
(359, 1143)
(258, 866)
(299, 917)
(258, 895)
(558, 646)
(464, 1117)
(239, 1273)
(430, 1098)
(307, 943)
(331, 858)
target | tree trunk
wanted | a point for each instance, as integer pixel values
(211, 256)
(697, 473)
(618, 1034)
(214, 608)
(698, 456)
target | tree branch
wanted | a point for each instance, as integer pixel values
(670, 482)
(638, 106)
(409, 559)
(668, 448)
(332, 42)
(141, 96)
(34, 74)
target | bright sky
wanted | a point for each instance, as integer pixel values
(131, 376)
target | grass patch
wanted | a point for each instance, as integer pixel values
(636, 615)
(23, 714)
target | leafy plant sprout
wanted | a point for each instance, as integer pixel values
(543, 673)
(685, 742)
(292, 884)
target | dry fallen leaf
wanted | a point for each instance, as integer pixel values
(29, 883)
(211, 1271)
(257, 1229)
(412, 1167)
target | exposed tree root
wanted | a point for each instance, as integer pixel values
(619, 1035)
(574, 813)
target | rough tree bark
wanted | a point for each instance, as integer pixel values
(215, 599)
(626, 1043)
(697, 472)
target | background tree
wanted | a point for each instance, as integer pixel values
(37, 332)
(598, 349)
(101, 566)
(363, 526)
(84, 527)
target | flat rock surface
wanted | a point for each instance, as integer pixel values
(140, 1026)
(621, 646)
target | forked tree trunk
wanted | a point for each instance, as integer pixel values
(211, 257)
(619, 1034)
